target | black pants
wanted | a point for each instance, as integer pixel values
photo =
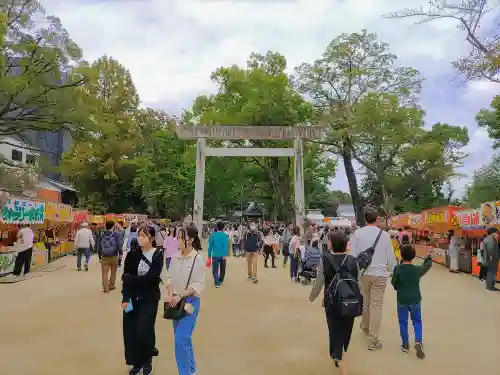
(483, 270)
(269, 252)
(139, 337)
(339, 333)
(23, 259)
(286, 253)
(222, 271)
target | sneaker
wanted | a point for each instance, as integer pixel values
(255, 280)
(86, 268)
(419, 347)
(217, 286)
(135, 371)
(273, 267)
(266, 266)
(78, 269)
(375, 346)
(249, 278)
(405, 348)
(148, 368)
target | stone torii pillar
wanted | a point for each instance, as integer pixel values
(298, 173)
(199, 184)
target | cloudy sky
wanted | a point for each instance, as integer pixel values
(172, 46)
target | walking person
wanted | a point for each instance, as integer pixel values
(374, 280)
(110, 249)
(483, 270)
(218, 250)
(140, 297)
(83, 243)
(491, 256)
(269, 241)
(336, 267)
(120, 231)
(406, 282)
(252, 246)
(171, 246)
(456, 243)
(25, 239)
(294, 253)
(186, 280)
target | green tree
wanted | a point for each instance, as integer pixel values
(483, 61)
(261, 95)
(101, 164)
(490, 120)
(485, 184)
(40, 75)
(352, 66)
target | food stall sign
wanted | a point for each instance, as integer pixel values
(58, 212)
(22, 211)
(97, 219)
(79, 216)
(470, 219)
(433, 218)
(490, 213)
(415, 220)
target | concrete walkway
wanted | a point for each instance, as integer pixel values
(61, 323)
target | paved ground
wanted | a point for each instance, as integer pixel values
(61, 323)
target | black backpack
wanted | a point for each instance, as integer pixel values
(343, 296)
(365, 258)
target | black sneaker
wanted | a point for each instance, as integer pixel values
(420, 350)
(266, 266)
(86, 268)
(405, 348)
(148, 368)
(135, 371)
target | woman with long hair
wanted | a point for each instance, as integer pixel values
(140, 298)
(295, 253)
(336, 259)
(171, 246)
(186, 280)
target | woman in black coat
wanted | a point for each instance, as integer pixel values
(141, 295)
(339, 327)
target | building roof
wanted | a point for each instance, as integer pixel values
(254, 209)
(47, 183)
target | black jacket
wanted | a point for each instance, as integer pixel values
(145, 287)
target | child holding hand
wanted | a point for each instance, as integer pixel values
(406, 281)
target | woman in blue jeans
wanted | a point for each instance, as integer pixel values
(186, 280)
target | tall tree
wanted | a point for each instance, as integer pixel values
(40, 79)
(490, 120)
(101, 164)
(353, 66)
(260, 95)
(483, 62)
(485, 184)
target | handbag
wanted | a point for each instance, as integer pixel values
(178, 312)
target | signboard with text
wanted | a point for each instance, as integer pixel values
(58, 212)
(250, 132)
(469, 219)
(22, 211)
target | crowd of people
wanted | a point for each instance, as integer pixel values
(352, 266)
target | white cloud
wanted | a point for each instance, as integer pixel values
(171, 47)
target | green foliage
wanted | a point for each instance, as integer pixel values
(490, 120)
(353, 66)
(40, 79)
(485, 184)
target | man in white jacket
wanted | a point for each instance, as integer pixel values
(84, 241)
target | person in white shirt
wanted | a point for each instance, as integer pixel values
(24, 244)
(83, 243)
(374, 280)
(186, 280)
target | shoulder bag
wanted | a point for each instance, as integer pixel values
(177, 312)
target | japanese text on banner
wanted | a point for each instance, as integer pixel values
(21, 211)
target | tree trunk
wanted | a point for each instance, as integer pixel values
(353, 187)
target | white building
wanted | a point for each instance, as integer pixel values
(18, 153)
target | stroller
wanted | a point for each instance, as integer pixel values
(309, 264)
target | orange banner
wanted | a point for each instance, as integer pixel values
(58, 212)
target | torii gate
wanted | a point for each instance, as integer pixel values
(276, 133)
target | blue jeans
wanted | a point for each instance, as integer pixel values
(415, 312)
(80, 251)
(183, 337)
(236, 249)
(218, 269)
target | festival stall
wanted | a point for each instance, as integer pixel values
(437, 222)
(58, 224)
(19, 211)
(490, 217)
